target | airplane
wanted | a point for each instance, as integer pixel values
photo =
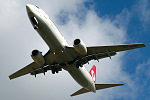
(70, 58)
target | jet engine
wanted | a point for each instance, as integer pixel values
(79, 46)
(38, 57)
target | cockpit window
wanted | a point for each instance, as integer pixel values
(37, 7)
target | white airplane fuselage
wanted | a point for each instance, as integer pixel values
(57, 44)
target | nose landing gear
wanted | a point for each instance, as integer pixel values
(34, 22)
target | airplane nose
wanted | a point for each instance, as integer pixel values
(28, 7)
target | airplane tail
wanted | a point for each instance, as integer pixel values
(97, 86)
(93, 73)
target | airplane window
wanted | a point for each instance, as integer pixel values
(37, 9)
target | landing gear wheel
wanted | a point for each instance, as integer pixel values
(53, 71)
(56, 71)
(77, 65)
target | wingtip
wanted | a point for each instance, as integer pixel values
(144, 45)
(9, 77)
(72, 95)
(121, 83)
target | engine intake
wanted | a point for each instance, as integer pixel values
(80, 47)
(76, 41)
(38, 57)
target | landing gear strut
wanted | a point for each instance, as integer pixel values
(79, 65)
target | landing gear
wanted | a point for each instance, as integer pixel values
(35, 22)
(55, 70)
(35, 27)
(79, 65)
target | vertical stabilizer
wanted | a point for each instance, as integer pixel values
(93, 73)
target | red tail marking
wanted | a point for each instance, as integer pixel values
(93, 73)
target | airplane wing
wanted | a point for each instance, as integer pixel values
(94, 53)
(34, 68)
(115, 48)
(98, 87)
(24, 70)
(99, 52)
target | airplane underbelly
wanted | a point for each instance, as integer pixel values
(51, 35)
(81, 76)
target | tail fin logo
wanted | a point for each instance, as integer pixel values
(93, 73)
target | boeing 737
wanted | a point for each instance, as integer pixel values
(70, 58)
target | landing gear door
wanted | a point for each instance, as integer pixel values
(34, 22)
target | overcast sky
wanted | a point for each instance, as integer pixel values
(96, 22)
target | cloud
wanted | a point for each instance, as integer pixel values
(104, 29)
(143, 69)
(141, 78)
(142, 9)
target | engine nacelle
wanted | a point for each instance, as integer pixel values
(38, 57)
(80, 47)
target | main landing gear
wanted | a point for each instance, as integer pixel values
(56, 70)
(79, 65)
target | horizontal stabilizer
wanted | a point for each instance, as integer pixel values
(81, 91)
(106, 85)
(98, 87)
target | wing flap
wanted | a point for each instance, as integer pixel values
(97, 56)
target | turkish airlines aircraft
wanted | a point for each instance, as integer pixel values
(62, 56)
